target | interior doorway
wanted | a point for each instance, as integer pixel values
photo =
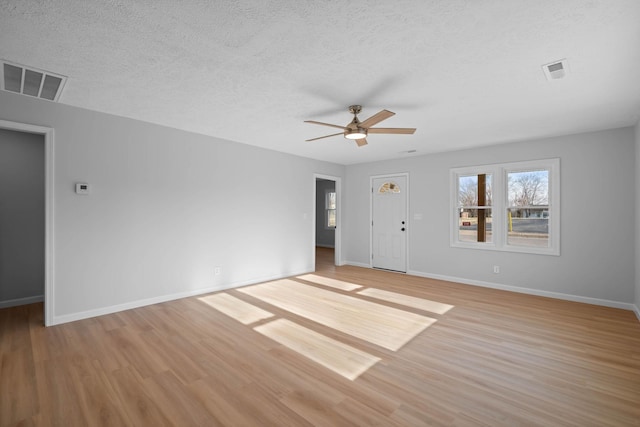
(21, 218)
(327, 217)
(44, 137)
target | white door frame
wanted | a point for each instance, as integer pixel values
(338, 232)
(49, 246)
(408, 225)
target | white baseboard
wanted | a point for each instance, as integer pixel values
(164, 298)
(529, 291)
(357, 264)
(57, 320)
(21, 301)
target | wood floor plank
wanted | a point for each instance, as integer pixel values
(385, 326)
(136, 399)
(338, 357)
(96, 397)
(409, 301)
(328, 281)
(496, 359)
(15, 393)
(56, 393)
(357, 413)
(242, 311)
(316, 408)
(172, 397)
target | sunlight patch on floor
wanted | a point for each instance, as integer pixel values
(378, 324)
(326, 281)
(340, 358)
(409, 301)
(236, 308)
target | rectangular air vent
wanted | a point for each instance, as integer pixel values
(31, 81)
(555, 70)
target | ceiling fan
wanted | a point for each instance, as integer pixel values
(358, 130)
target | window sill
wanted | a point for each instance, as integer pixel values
(512, 249)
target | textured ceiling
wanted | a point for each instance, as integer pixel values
(464, 72)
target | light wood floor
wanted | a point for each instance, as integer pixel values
(493, 359)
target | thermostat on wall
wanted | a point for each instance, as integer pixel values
(82, 188)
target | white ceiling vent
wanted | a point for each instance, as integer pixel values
(31, 81)
(555, 70)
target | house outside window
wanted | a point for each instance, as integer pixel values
(508, 207)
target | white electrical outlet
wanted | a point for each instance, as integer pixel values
(217, 271)
(496, 269)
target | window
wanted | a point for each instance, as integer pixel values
(330, 209)
(474, 204)
(508, 207)
(389, 187)
(528, 208)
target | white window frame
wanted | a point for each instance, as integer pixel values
(326, 209)
(500, 203)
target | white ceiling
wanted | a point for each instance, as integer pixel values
(464, 72)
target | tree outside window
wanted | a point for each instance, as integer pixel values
(528, 208)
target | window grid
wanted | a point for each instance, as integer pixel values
(330, 209)
(521, 209)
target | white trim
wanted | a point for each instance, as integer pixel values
(406, 249)
(21, 301)
(528, 291)
(636, 310)
(164, 298)
(49, 244)
(338, 230)
(358, 264)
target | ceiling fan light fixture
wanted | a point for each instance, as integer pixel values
(358, 133)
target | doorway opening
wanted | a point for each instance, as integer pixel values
(327, 220)
(42, 210)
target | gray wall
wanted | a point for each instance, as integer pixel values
(169, 206)
(21, 217)
(597, 202)
(324, 237)
(166, 208)
(637, 220)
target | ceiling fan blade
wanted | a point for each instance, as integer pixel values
(406, 131)
(361, 142)
(326, 136)
(324, 124)
(376, 118)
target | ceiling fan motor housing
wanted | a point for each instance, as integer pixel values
(355, 109)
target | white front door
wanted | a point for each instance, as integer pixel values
(389, 222)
